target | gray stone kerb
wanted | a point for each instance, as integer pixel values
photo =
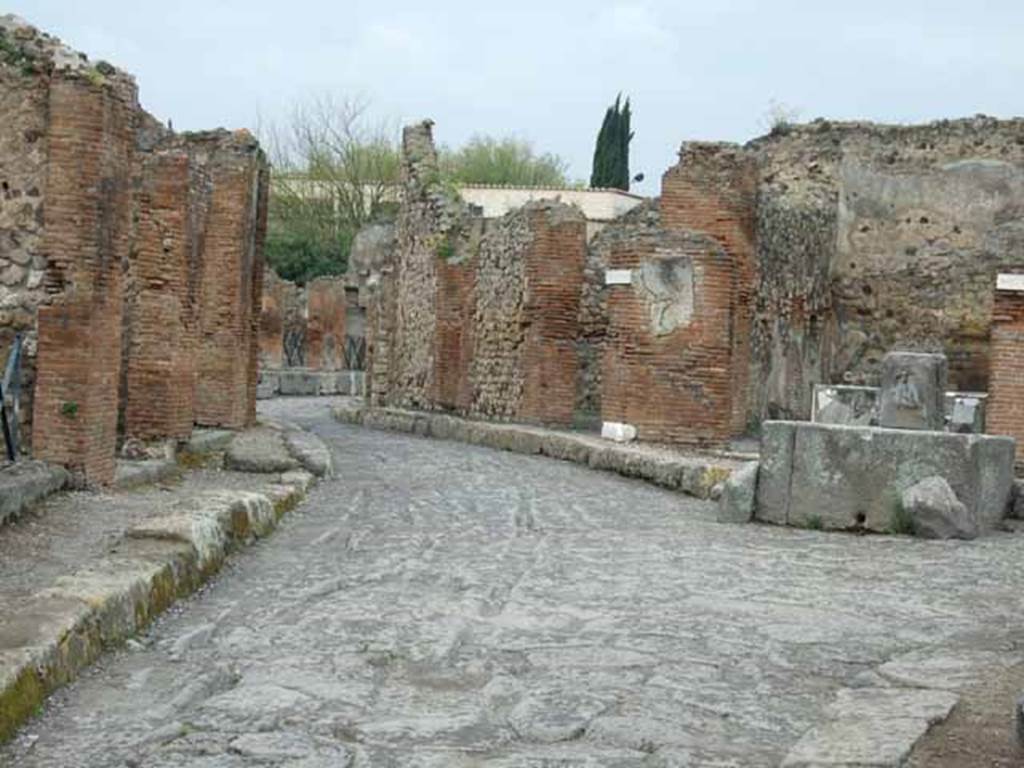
(693, 474)
(27, 482)
(63, 628)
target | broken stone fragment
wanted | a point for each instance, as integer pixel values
(936, 512)
(738, 495)
(618, 432)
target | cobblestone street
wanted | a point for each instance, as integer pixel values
(436, 604)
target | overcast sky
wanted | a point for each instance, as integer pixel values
(546, 71)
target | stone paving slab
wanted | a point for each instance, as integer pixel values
(694, 474)
(99, 567)
(438, 604)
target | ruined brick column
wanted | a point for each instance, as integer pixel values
(160, 322)
(713, 190)
(551, 309)
(272, 308)
(456, 303)
(666, 364)
(1006, 375)
(87, 219)
(325, 325)
(232, 283)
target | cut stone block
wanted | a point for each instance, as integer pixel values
(299, 383)
(351, 383)
(913, 391)
(738, 495)
(842, 404)
(620, 433)
(965, 412)
(840, 477)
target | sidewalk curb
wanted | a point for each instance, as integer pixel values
(65, 628)
(693, 475)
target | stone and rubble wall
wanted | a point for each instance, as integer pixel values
(850, 239)
(1005, 407)
(874, 237)
(479, 316)
(526, 326)
(110, 226)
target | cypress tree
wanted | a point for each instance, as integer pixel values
(611, 151)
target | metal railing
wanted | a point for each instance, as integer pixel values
(10, 394)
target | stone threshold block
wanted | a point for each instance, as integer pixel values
(846, 477)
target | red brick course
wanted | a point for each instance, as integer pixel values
(713, 189)
(676, 387)
(87, 219)
(1006, 376)
(161, 319)
(231, 291)
(551, 303)
(456, 303)
(325, 327)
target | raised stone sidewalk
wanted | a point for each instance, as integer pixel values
(85, 571)
(696, 474)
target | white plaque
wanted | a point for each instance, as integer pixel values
(1010, 282)
(618, 277)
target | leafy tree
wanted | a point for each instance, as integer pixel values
(611, 151)
(508, 161)
(334, 172)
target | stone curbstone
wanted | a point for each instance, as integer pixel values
(132, 474)
(27, 482)
(739, 492)
(694, 476)
(61, 630)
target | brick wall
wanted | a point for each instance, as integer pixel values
(551, 314)
(456, 305)
(272, 308)
(160, 321)
(104, 215)
(1006, 375)
(232, 286)
(528, 286)
(325, 324)
(666, 366)
(479, 317)
(713, 189)
(87, 219)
